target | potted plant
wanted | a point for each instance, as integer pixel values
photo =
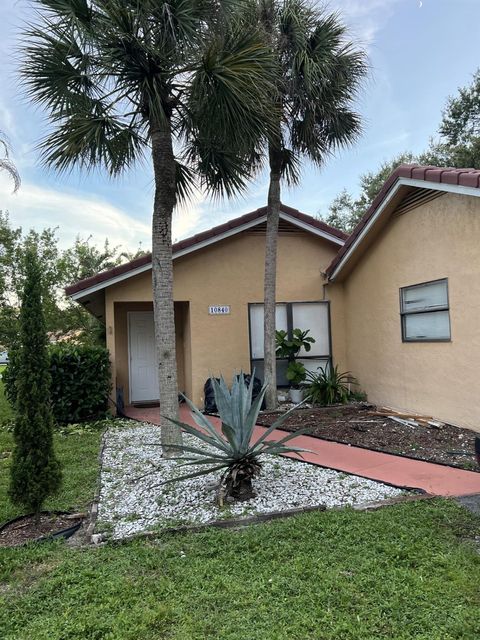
(296, 375)
(289, 347)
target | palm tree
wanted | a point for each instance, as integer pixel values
(319, 74)
(185, 80)
(6, 164)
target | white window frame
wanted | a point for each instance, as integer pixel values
(404, 313)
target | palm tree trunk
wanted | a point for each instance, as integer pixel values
(162, 280)
(270, 281)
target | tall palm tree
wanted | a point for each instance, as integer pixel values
(185, 80)
(6, 164)
(319, 74)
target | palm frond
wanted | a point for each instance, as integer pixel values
(227, 108)
(76, 10)
(89, 141)
(321, 74)
(185, 181)
(223, 172)
(108, 72)
(7, 165)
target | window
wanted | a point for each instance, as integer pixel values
(289, 315)
(424, 311)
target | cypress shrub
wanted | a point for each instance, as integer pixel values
(35, 472)
(79, 381)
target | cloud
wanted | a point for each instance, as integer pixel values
(188, 217)
(77, 213)
(73, 213)
(365, 17)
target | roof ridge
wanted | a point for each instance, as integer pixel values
(200, 237)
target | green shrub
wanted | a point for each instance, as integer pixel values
(328, 386)
(35, 472)
(80, 382)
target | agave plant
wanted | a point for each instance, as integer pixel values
(232, 449)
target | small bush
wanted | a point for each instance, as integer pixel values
(80, 382)
(329, 386)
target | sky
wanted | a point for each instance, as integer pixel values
(420, 52)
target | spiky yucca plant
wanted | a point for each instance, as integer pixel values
(232, 450)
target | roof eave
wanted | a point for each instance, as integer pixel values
(400, 182)
(79, 294)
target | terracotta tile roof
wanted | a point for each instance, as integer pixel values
(199, 238)
(446, 175)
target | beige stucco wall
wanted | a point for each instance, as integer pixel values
(439, 239)
(229, 272)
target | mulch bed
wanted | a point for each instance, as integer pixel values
(26, 529)
(357, 425)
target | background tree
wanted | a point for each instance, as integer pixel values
(83, 260)
(14, 248)
(458, 145)
(60, 267)
(6, 163)
(345, 211)
(319, 75)
(35, 472)
(459, 130)
(123, 77)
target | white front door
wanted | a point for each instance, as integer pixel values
(142, 357)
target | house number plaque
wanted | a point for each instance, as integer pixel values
(219, 309)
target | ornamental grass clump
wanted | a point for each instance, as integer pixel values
(232, 450)
(329, 386)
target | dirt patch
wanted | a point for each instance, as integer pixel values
(27, 529)
(359, 426)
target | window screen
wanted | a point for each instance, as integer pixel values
(290, 315)
(307, 315)
(425, 312)
(256, 326)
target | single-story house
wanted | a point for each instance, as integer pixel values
(397, 302)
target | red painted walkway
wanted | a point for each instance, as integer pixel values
(435, 479)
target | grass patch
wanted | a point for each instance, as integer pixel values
(6, 413)
(77, 449)
(405, 572)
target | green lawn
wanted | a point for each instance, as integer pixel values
(5, 409)
(404, 572)
(400, 573)
(77, 449)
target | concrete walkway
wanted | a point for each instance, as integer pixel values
(435, 479)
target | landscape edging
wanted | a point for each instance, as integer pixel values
(260, 518)
(93, 511)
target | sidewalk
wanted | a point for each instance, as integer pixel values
(436, 479)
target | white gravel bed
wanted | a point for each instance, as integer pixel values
(133, 500)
